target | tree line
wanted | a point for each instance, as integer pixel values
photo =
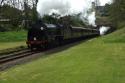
(117, 13)
(22, 13)
(18, 13)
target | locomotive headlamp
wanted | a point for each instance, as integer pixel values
(35, 38)
(41, 28)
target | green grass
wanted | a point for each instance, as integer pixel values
(100, 60)
(8, 45)
(13, 36)
(12, 39)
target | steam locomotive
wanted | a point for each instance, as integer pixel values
(42, 35)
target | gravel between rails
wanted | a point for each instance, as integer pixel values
(11, 50)
(14, 56)
(11, 60)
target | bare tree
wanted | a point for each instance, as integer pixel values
(1, 2)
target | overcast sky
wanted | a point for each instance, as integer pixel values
(103, 2)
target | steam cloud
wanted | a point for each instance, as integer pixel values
(103, 30)
(91, 19)
(63, 7)
(68, 7)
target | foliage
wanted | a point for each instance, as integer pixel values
(14, 15)
(72, 20)
(117, 12)
(17, 18)
(50, 19)
(77, 21)
(10, 12)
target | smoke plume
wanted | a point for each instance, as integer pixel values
(68, 7)
(103, 30)
(92, 19)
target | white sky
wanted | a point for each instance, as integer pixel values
(103, 2)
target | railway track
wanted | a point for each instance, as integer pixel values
(25, 55)
(16, 55)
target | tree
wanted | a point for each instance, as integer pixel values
(117, 11)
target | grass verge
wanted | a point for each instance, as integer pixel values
(13, 36)
(9, 45)
(12, 39)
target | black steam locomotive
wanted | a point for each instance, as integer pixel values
(42, 35)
